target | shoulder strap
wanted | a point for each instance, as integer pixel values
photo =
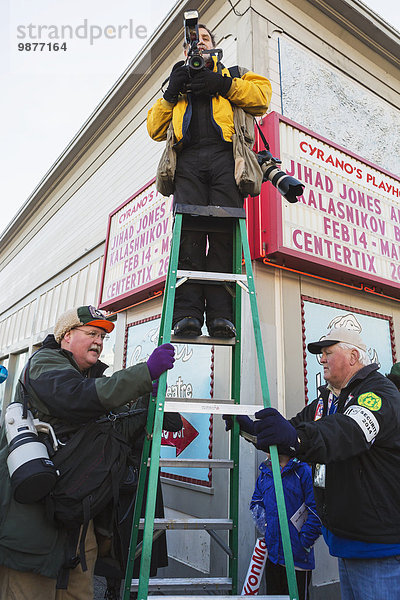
(26, 384)
(71, 561)
(262, 136)
(24, 380)
(234, 71)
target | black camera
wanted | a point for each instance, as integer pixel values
(288, 186)
(195, 60)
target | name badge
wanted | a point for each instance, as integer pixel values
(319, 475)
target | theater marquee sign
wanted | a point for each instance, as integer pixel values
(137, 248)
(347, 223)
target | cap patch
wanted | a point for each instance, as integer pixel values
(370, 401)
(96, 314)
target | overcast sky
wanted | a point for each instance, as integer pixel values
(47, 94)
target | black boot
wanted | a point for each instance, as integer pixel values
(188, 327)
(221, 328)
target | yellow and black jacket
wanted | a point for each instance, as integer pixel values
(249, 91)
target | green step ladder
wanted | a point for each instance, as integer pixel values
(207, 219)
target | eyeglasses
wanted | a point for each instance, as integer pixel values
(94, 334)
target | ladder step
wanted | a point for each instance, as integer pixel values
(203, 339)
(194, 597)
(207, 405)
(190, 524)
(196, 210)
(188, 463)
(212, 277)
(186, 584)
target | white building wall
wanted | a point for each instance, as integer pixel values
(54, 260)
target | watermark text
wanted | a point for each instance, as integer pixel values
(85, 31)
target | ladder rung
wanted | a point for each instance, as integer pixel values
(209, 276)
(188, 463)
(210, 211)
(216, 407)
(194, 597)
(186, 584)
(190, 524)
(204, 339)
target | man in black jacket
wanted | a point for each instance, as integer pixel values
(351, 434)
(68, 390)
(394, 375)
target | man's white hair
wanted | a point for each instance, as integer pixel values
(363, 357)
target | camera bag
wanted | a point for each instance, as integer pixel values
(167, 165)
(91, 464)
(248, 173)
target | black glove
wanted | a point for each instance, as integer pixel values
(177, 82)
(209, 83)
(272, 428)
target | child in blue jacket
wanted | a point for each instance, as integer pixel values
(304, 523)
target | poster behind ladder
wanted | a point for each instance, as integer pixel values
(252, 582)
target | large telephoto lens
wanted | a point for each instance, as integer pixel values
(32, 473)
(288, 186)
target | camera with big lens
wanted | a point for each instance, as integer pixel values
(195, 61)
(288, 186)
(33, 475)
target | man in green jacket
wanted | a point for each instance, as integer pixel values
(200, 106)
(67, 390)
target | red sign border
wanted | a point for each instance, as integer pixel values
(360, 311)
(266, 209)
(144, 291)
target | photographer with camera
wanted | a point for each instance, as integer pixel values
(199, 102)
(67, 392)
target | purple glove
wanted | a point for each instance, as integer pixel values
(161, 359)
(245, 423)
(272, 428)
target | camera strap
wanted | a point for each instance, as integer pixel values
(25, 401)
(262, 136)
(28, 389)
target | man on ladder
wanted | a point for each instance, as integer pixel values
(206, 116)
(199, 102)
